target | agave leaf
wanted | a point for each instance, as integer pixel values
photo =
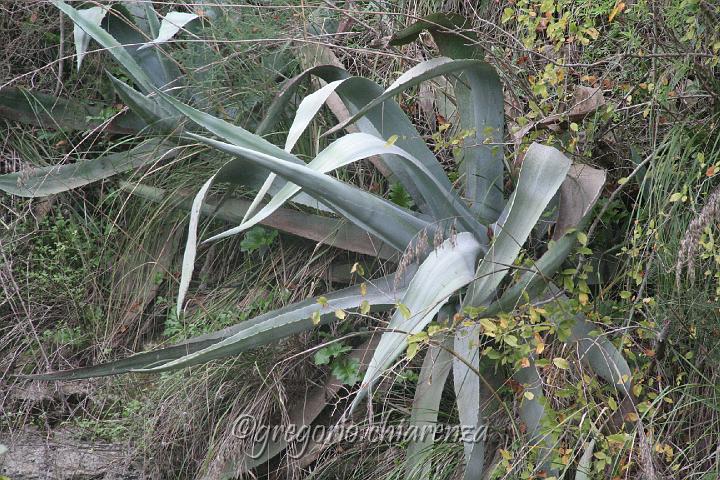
(483, 77)
(347, 149)
(385, 121)
(93, 15)
(378, 294)
(533, 411)
(156, 115)
(578, 194)
(47, 111)
(447, 269)
(480, 107)
(386, 221)
(542, 173)
(188, 262)
(147, 108)
(40, 182)
(584, 467)
(445, 29)
(416, 75)
(113, 46)
(274, 112)
(481, 111)
(170, 26)
(471, 396)
(426, 404)
(306, 111)
(327, 230)
(152, 19)
(361, 208)
(147, 68)
(381, 294)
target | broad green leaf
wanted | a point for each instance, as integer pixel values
(447, 269)
(40, 182)
(382, 294)
(296, 321)
(542, 173)
(94, 16)
(425, 407)
(170, 26)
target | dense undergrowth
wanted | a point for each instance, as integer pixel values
(91, 274)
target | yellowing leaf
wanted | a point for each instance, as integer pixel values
(528, 394)
(315, 318)
(340, 313)
(488, 326)
(404, 310)
(363, 289)
(365, 307)
(631, 417)
(357, 268)
(582, 238)
(675, 197)
(561, 363)
(619, 7)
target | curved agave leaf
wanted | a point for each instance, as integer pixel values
(306, 111)
(386, 121)
(445, 29)
(359, 207)
(584, 470)
(344, 151)
(327, 230)
(578, 194)
(430, 385)
(483, 182)
(93, 15)
(480, 107)
(40, 182)
(169, 27)
(447, 269)
(386, 221)
(113, 46)
(381, 294)
(542, 173)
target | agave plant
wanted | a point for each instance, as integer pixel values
(455, 253)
